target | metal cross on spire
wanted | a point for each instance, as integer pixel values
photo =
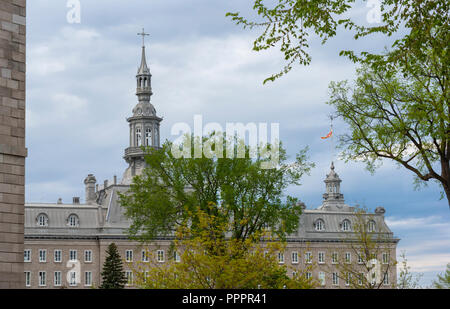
(143, 36)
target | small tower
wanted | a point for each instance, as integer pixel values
(333, 198)
(144, 124)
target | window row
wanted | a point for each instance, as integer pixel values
(71, 221)
(71, 277)
(345, 225)
(145, 256)
(347, 278)
(57, 255)
(334, 257)
(148, 137)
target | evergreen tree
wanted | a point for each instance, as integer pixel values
(113, 276)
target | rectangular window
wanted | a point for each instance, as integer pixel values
(294, 274)
(385, 258)
(42, 255)
(348, 278)
(129, 276)
(308, 257)
(72, 255)
(57, 256)
(308, 275)
(294, 257)
(322, 278)
(72, 278)
(386, 278)
(28, 278)
(280, 257)
(176, 256)
(360, 259)
(348, 257)
(27, 255)
(334, 258)
(88, 278)
(160, 256)
(360, 278)
(57, 278)
(42, 278)
(145, 257)
(321, 257)
(88, 256)
(335, 279)
(129, 255)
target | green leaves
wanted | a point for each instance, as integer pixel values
(287, 24)
(251, 197)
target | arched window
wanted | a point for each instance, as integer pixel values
(42, 220)
(73, 220)
(371, 226)
(148, 137)
(138, 137)
(319, 225)
(346, 225)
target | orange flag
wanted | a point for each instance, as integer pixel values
(328, 135)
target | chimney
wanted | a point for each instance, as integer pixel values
(105, 184)
(89, 183)
(76, 200)
(115, 180)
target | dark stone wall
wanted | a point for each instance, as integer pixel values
(12, 142)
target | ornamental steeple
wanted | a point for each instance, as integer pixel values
(144, 124)
(333, 197)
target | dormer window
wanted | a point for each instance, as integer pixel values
(73, 221)
(319, 225)
(345, 225)
(42, 220)
(371, 226)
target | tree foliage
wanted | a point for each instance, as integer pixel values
(400, 115)
(289, 23)
(211, 260)
(246, 195)
(443, 280)
(113, 276)
(407, 279)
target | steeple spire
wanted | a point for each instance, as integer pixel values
(144, 123)
(143, 77)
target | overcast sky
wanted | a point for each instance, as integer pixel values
(81, 89)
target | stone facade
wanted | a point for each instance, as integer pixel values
(12, 141)
(65, 239)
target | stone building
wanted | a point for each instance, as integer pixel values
(65, 244)
(12, 141)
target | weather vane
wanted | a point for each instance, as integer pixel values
(143, 36)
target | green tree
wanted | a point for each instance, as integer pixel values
(207, 259)
(407, 279)
(248, 196)
(287, 24)
(400, 114)
(113, 276)
(443, 280)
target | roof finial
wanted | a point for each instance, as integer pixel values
(332, 165)
(143, 36)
